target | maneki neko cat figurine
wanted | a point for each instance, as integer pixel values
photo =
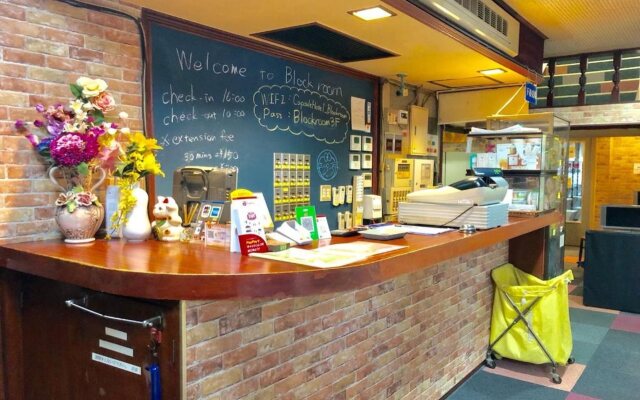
(168, 224)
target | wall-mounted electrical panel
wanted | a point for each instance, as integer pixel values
(418, 129)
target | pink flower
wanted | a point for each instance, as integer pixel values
(104, 102)
(68, 149)
(85, 198)
(33, 139)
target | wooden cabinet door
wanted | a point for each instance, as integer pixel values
(70, 354)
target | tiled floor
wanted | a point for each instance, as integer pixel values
(606, 348)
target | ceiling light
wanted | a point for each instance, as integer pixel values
(493, 71)
(372, 13)
(446, 11)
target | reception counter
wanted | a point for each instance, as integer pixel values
(412, 322)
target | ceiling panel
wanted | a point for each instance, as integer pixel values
(583, 26)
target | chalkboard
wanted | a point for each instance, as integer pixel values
(220, 104)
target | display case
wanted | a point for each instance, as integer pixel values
(531, 150)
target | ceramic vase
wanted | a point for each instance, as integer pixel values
(81, 225)
(138, 227)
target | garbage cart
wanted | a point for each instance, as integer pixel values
(530, 319)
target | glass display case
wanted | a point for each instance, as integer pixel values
(532, 151)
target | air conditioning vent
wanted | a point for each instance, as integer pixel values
(485, 13)
(482, 19)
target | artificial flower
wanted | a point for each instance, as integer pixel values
(77, 139)
(72, 200)
(132, 156)
(91, 87)
(104, 102)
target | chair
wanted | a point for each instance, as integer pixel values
(580, 262)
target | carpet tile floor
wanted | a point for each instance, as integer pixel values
(606, 348)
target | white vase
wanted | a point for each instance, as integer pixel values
(138, 227)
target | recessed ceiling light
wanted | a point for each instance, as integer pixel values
(493, 71)
(369, 14)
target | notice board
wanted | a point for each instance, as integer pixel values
(216, 99)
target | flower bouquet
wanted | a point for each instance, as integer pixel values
(131, 157)
(77, 142)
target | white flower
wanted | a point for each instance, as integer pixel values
(76, 105)
(123, 115)
(68, 127)
(125, 130)
(91, 87)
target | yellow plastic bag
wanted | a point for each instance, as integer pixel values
(548, 318)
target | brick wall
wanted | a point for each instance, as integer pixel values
(44, 46)
(606, 114)
(614, 181)
(413, 337)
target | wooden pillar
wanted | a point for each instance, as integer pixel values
(551, 82)
(615, 91)
(582, 80)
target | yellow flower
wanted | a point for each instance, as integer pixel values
(150, 164)
(91, 87)
(144, 144)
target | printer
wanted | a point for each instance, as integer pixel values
(475, 200)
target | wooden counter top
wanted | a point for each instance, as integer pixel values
(180, 271)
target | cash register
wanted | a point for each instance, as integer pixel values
(475, 200)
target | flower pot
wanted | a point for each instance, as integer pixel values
(81, 225)
(138, 226)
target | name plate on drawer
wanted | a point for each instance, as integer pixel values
(134, 369)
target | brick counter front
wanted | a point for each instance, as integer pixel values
(414, 336)
(407, 324)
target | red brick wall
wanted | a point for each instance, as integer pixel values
(44, 46)
(614, 181)
(412, 337)
(605, 114)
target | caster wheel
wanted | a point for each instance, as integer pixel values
(556, 378)
(490, 363)
(571, 360)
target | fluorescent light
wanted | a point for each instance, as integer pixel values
(369, 14)
(446, 11)
(493, 71)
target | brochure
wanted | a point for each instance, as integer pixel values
(306, 216)
(331, 256)
(247, 226)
